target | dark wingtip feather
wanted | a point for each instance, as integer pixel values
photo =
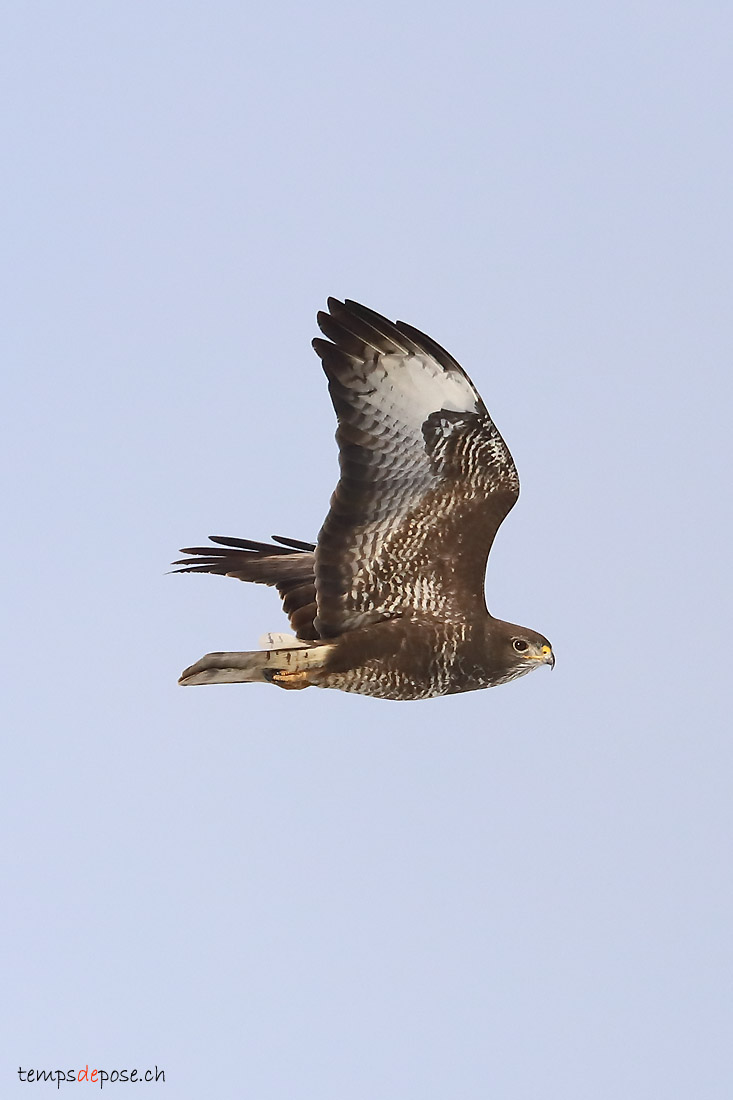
(202, 558)
(294, 544)
(432, 347)
(191, 568)
(211, 558)
(401, 340)
(246, 544)
(207, 550)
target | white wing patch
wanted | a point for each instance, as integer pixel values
(409, 388)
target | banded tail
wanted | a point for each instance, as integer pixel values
(291, 666)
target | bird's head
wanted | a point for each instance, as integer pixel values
(517, 649)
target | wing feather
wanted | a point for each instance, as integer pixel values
(288, 567)
(426, 479)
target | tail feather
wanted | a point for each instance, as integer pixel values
(289, 667)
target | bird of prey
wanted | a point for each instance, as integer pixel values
(389, 601)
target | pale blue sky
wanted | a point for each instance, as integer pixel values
(520, 894)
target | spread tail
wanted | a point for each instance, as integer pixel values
(288, 667)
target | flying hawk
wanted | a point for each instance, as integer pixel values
(390, 600)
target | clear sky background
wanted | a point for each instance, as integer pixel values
(523, 893)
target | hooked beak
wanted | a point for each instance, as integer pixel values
(545, 656)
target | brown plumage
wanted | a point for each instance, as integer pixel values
(390, 600)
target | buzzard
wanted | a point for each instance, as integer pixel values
(389, 601)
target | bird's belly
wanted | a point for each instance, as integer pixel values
(384, 683)
(414, 661)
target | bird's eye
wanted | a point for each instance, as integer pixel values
(520, 645)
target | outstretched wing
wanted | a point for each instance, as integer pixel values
(426, 479)
(287, 567)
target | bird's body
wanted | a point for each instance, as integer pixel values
(390, 600)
